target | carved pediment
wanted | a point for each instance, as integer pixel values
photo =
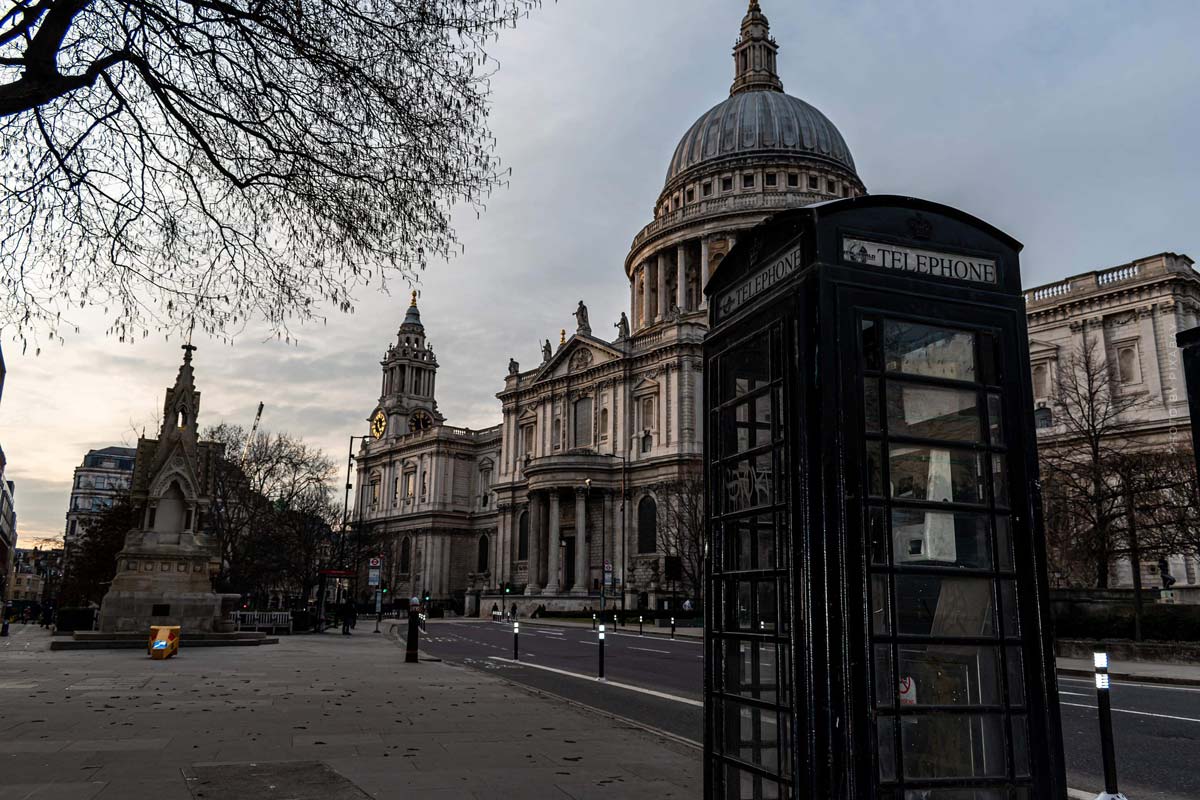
(1042, 348)
(580, 353)
(580, 360)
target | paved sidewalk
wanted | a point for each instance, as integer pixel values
(329, 717)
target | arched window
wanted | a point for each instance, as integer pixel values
(1043, 418)
(406, 556)
(523, 536)
(482, 563)
(647, 539)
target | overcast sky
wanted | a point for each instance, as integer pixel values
(1073, 126)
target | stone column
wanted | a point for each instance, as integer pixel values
(661, 299)
(681, 277)
(581, 543)
(610, 531)
(645, 273)
(533, 582)
(553, 546)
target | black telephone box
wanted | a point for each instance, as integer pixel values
(877, 618)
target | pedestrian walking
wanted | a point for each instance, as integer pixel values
(347, 613)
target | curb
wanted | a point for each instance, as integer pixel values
(1130, 677)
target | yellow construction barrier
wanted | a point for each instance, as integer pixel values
(164, 641)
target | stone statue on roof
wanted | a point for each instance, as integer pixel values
(622, 326)
(547, 352)
(581, 318)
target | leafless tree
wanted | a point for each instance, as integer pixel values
(199, 163)
(266, 507)
(681, 526)
(1081, 464)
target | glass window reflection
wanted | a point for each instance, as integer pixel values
(941, 538)
(937, 474)
(937, 605)
(932, 412)
(931, 351)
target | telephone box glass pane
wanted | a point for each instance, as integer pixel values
(937, 605)
(934, 352)
(949, 675)
(938, 474)
(940, 539)
(953, 746)
(932, 412)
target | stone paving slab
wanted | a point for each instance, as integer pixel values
(116, 725)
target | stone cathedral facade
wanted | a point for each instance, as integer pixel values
(568, 487)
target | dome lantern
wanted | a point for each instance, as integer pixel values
(754, 55)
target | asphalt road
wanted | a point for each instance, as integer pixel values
(658, 682)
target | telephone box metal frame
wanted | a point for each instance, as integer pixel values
(876, 594)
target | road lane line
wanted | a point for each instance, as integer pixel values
(1139, 713)
(1126, 682)
(650, 650)
(629, 686)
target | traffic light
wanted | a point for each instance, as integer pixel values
(507, 588)
(427, 597)
(385, 591)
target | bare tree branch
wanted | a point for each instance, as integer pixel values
(208, 162)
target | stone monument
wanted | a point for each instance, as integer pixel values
(163, 571)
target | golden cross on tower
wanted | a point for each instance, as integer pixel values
(414, 298)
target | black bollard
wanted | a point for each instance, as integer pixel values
(516, 629)
(641, 619)
(672, 627)
(1106, 738)
(601, 652)
(593, 622)
(410, 650)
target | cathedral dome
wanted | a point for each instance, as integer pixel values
(762, 123)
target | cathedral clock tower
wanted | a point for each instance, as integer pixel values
(406, 402)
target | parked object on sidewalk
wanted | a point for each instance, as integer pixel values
(412, 644)
(164, 641)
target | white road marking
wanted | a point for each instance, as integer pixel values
(1139, 713)
(1074, 694)
(630, 687)
(650, 650)
(1134, 683)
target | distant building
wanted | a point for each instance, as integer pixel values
(8, 513)
(99, 481)
(36, 574)
(1132, 313)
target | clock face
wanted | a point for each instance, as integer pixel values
(379, 424)
(420, 421)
